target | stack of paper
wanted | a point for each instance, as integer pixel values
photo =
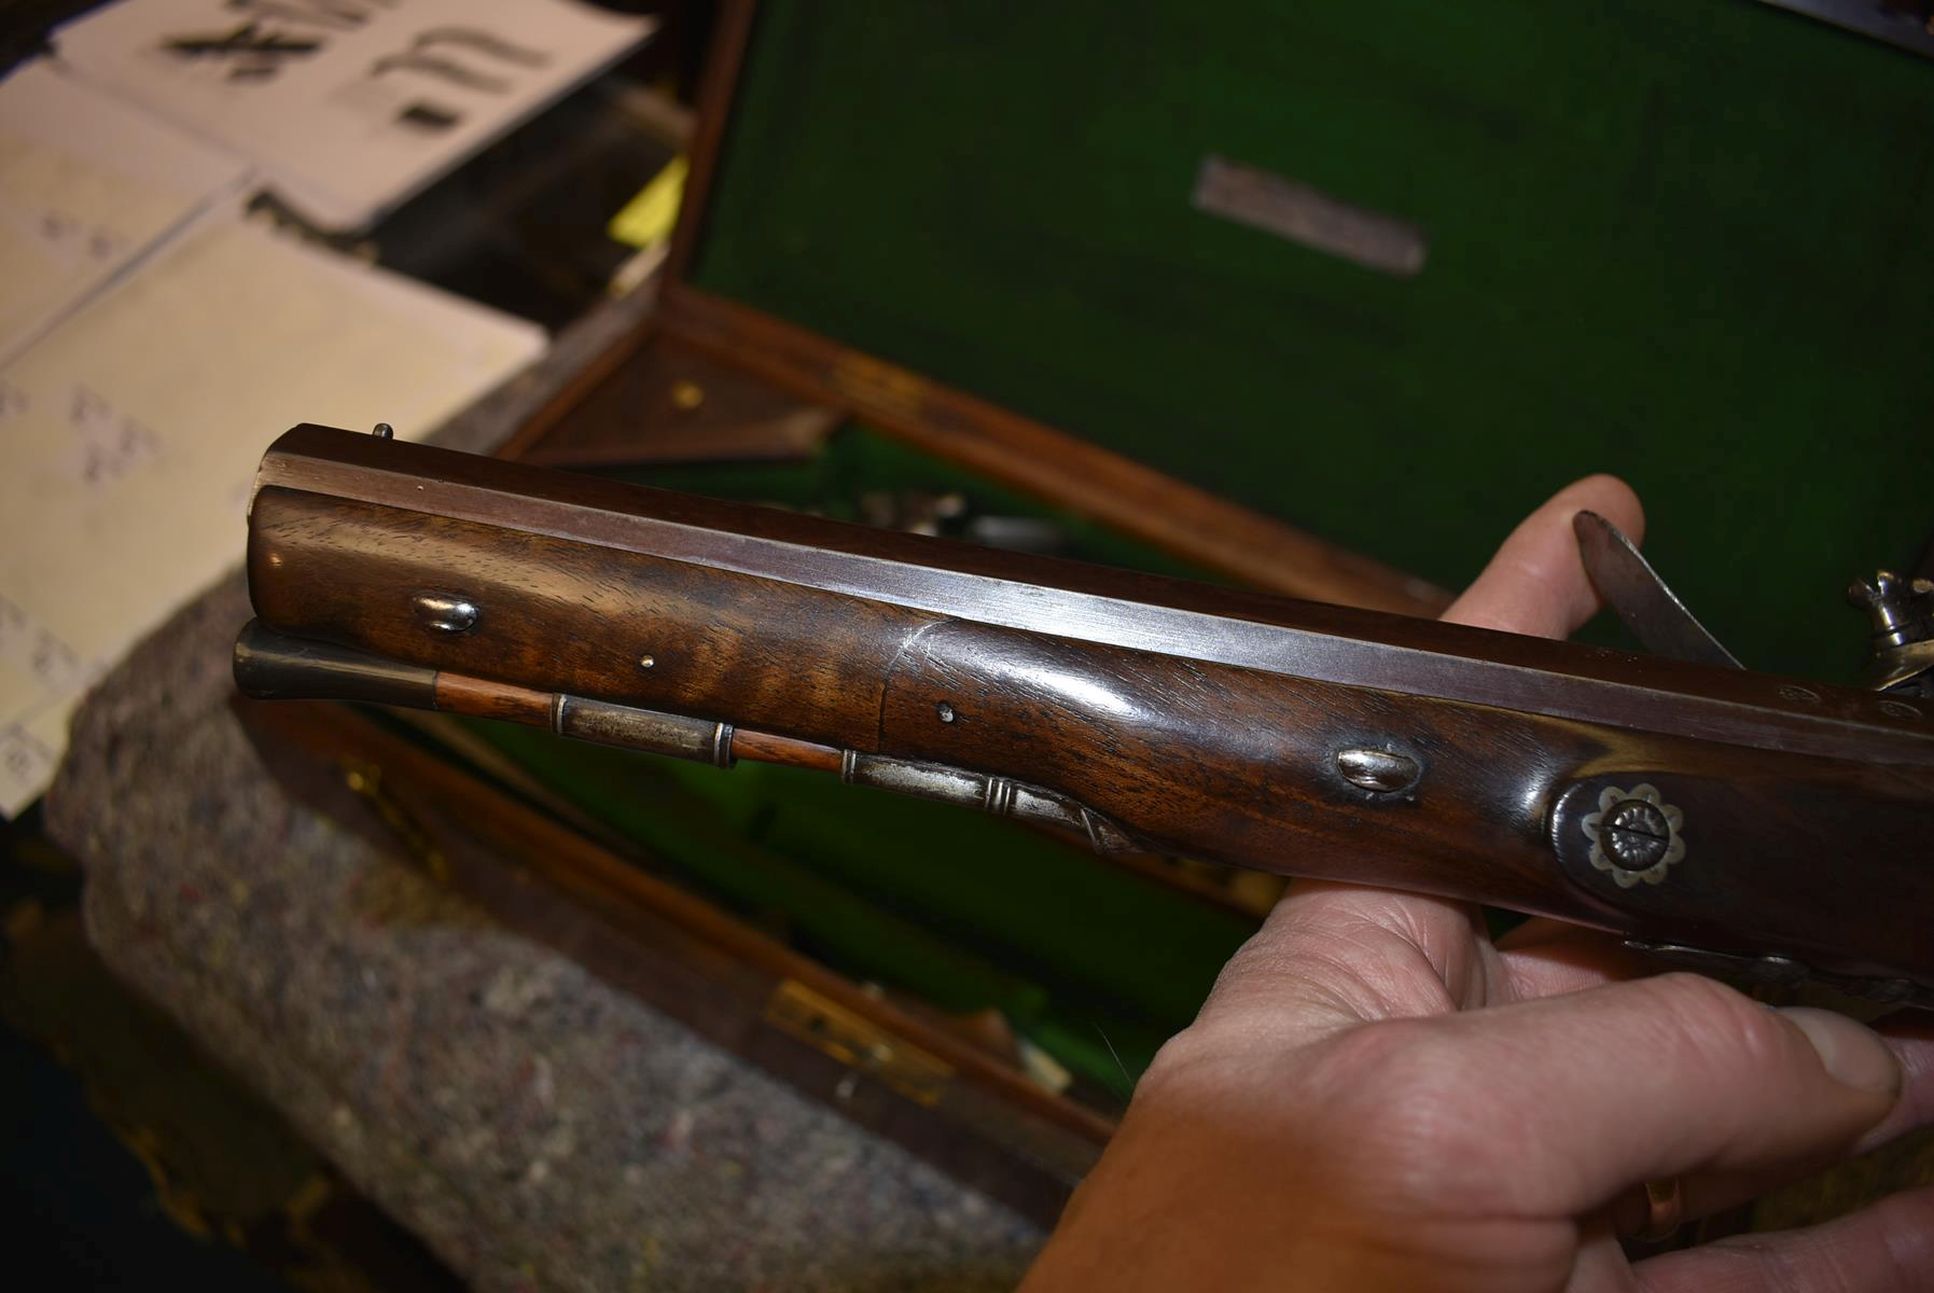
(89, 186)
(152, 342)
(132, 430)
(347, 107)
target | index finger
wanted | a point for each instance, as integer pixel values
(1536, 584)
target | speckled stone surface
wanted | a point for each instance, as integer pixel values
(536, 1127)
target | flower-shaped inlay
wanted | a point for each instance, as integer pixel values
(1635, 835)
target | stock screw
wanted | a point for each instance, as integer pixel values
(1635, 834)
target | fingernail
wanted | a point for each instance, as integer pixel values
(1851, 1052)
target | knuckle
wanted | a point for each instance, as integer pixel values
(1187, 1053)
(1379, 1063)
(1705, 1018)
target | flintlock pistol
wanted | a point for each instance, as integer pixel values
(1755, 826)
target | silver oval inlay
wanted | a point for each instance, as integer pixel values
(1381, 771)
(445, 612)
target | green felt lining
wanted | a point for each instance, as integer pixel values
(1682, 240)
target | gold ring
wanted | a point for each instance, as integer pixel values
(1665, 1204)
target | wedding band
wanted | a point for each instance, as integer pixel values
(1665, 1204)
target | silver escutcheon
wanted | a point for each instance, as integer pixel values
(445, 612)
(1635, 835)
(1382, 772)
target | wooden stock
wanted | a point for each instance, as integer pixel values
(1816, 856)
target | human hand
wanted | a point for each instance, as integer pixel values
(1375, 1096)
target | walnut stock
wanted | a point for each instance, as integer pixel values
(1267, 733)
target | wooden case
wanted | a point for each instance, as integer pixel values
(710, 375)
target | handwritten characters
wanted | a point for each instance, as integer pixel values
(255, 50)
(33, 649)
(107, 444)
(25, 763)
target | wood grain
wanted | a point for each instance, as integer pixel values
(457, 694)
(1789, 853)
(557, 616)
(1794, 855)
